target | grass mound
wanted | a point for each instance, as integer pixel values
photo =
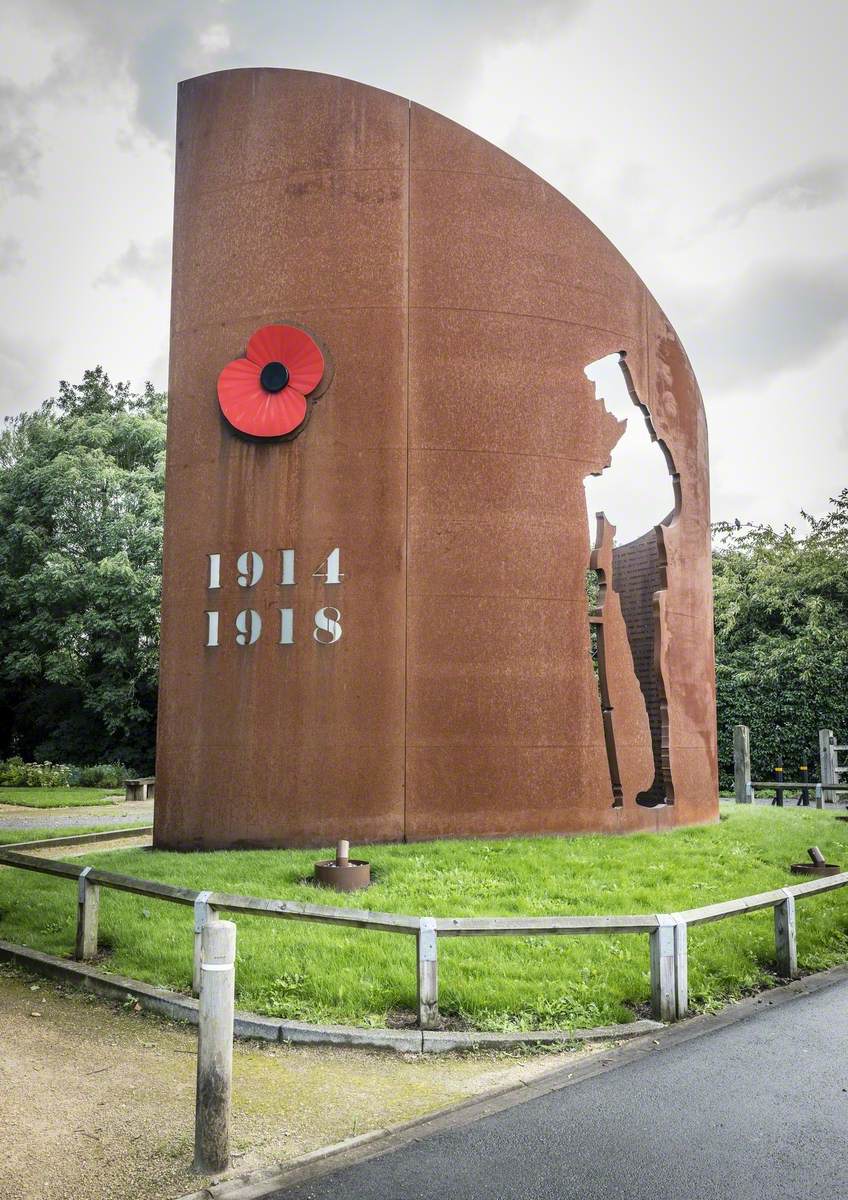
(8, 837)
(58, 797)
(317, 973)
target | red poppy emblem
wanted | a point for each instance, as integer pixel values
(264, 394)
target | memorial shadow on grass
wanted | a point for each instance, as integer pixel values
(310, 972)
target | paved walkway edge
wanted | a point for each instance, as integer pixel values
(83, 839)
(272, 1029)
(270, 1180)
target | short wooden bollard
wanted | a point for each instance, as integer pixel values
(88, 912)
(215, 1048)
(428, 975)
(663, 969)
(784, 937)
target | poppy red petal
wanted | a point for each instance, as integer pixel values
(238, 380)
(304, 360)
(252, 410)
(268, 344)
(292, 347)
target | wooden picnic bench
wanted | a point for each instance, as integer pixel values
(140, 789)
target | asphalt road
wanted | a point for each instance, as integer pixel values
(756, 1110)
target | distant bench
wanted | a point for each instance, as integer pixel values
(140, 789)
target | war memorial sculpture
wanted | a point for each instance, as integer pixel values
(374, 619)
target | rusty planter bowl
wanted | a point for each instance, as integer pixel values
(809, 868)
(347, 877)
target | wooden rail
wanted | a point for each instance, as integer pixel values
(500, 926)
(667, 932)
(788, 783)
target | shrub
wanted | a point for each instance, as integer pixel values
(105, 775)
(14, 772)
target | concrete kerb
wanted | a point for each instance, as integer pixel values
(268, 1181)
(272, 1029)
(83, 839)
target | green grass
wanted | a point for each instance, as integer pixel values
(313, 972)
(9, 836)
(59, 797)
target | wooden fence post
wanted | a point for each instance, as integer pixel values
(202, 914)
(215, 1048)
(428, 974)
(741, 763)
(827, 759)
(784, 937)
(88, 913)
(819, 796)
(663, 989)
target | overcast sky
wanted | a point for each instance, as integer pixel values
(706, 140)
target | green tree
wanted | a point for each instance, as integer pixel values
(81, 496)
(781, 620)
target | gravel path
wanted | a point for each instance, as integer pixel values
(120, 814)
(97, 1100)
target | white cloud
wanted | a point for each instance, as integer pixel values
(215, 39)
(148, 264)
(697, 137)
(11, 255)
(19, 148)
(808, 187)
(777, 316)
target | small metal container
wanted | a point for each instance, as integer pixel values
(343, 874)
(816, 865)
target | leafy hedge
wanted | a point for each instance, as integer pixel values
(781, 621)
(14, 772)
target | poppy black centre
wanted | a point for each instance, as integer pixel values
(274, 377)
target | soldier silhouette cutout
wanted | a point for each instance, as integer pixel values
(634, 498)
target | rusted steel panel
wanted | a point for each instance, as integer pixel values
(456, 299)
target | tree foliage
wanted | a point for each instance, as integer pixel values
(781, 620)
(81, 496)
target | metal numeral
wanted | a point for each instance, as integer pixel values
(286, 568)
(248, 627)
(330, 574)
(327, 626)
(286, 626)
(211, 629)
(250, 566)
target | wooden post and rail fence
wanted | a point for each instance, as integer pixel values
(832, 773)
(667, 933)
(213, 969)
(214, 956)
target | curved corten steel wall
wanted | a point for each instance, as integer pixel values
(433, 677)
